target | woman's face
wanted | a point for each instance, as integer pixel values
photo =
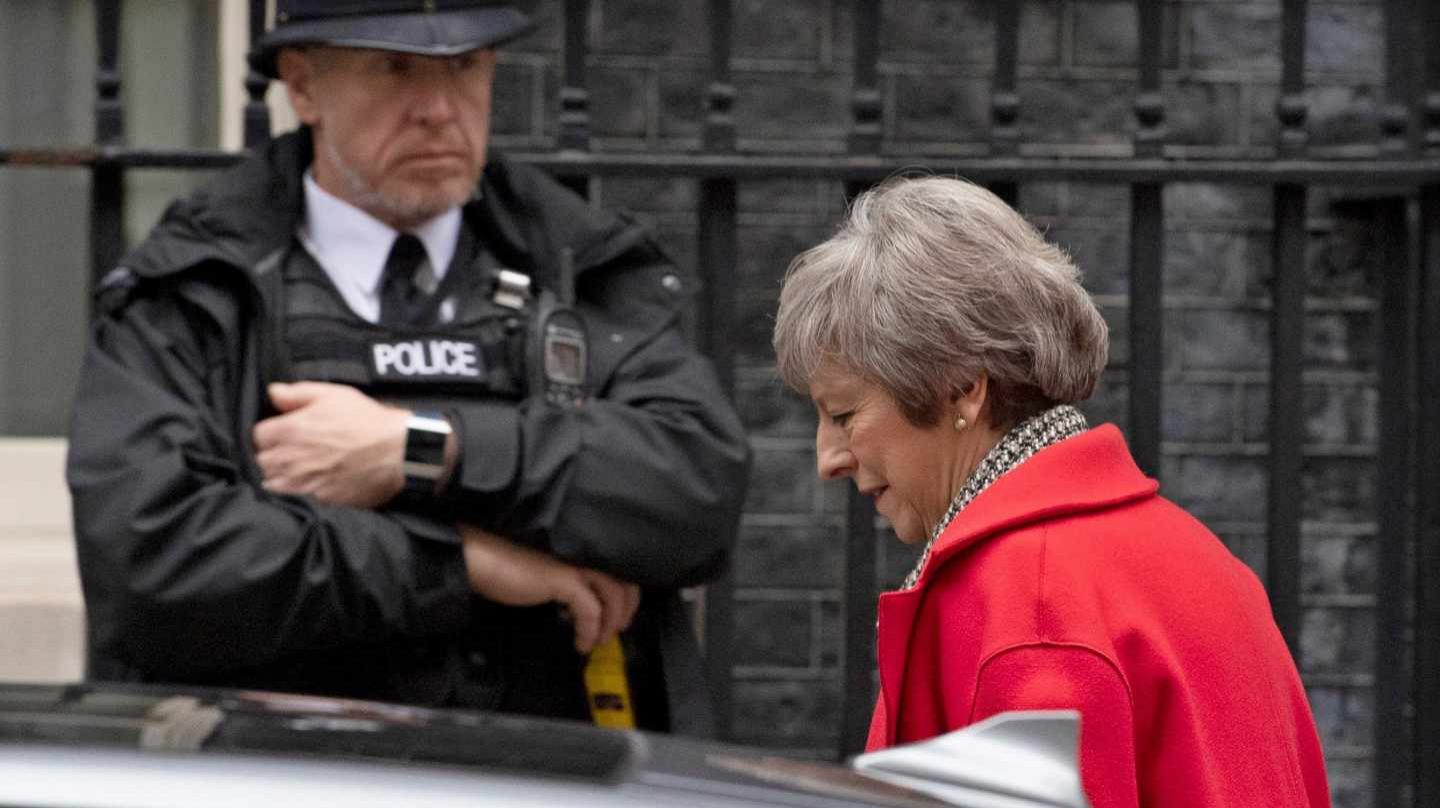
(911, 472)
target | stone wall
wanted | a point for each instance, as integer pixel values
(42, 614)
(792, 65)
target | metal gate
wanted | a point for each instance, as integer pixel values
(1407, 678)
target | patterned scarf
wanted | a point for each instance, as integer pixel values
(1023, 440)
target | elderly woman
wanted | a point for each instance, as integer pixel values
(944, 344)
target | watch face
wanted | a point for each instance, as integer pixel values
(425, 445)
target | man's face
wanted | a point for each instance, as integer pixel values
(400, 136)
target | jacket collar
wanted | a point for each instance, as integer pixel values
(222, 220)
(1089, 471)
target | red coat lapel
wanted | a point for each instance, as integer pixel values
(896, 616)
(1091, 470)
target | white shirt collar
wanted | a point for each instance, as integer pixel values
(351, 245)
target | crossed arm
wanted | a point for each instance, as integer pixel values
(339, 446)
(196, 559)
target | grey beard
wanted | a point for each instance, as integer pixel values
(409, 210)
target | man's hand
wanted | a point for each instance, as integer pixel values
(600, 606)
(333, 443)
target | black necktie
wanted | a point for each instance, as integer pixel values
(402, 301)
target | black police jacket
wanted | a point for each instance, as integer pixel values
(193, 573)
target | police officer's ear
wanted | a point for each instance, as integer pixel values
(297, 69)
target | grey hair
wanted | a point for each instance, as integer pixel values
(929, 282)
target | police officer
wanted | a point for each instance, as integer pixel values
(377, 414)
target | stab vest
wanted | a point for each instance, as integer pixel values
(315, 336)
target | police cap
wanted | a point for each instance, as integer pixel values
(426, 27)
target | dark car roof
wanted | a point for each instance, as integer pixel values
(211, 724)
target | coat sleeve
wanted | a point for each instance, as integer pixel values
(643, 481)
(1052, 676)
(188, 566)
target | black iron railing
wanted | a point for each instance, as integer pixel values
(1408, 139)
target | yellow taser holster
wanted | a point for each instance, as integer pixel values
(608, 687)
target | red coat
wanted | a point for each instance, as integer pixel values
(1071, 583)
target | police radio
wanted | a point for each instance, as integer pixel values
(557, 349)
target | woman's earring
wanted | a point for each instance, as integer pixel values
(960, 423)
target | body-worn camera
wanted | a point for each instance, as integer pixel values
(556, 351)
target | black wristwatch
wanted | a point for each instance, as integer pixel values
(425, 436)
